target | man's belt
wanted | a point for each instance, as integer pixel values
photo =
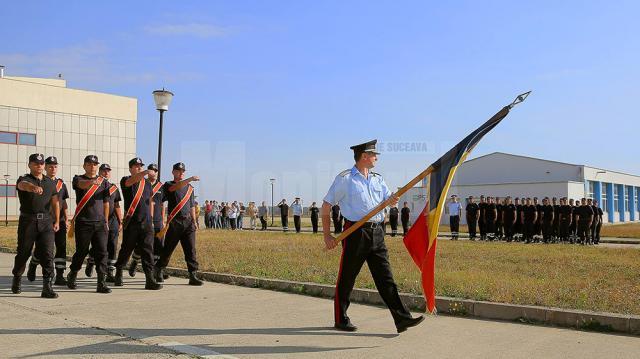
(42, 215)
(367, 225)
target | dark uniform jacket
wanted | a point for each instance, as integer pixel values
(93, 211)
(31, 203)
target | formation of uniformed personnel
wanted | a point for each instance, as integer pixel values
(90, 222)
(499, 234)
(585, 217)
(490, 216)
(529, 220)
(517, 227)
(405, 213)
(556, 218)
(360, 190)
(481, 218)
(566, 217)
(597, 213)
(180, 224)
(114, 221)
(60, 259)
(137, 227)
(472, 211)
(38, 222)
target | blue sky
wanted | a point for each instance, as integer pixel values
(283, 88)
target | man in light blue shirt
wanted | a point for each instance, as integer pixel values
(359, 190)
(455, 209)
(296, 208)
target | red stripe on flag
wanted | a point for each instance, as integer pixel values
(417, 243)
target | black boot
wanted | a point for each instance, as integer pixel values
(117, 281)
(88, 270)
(157, 274)
(102, 284)
(110, 277)
(16, 284)
(60, 277)
(132, 268)
(71, 280)
(151, 283)
(408, 323)
(31, 272)
(193, 279)
(47, 289)
(165, 275)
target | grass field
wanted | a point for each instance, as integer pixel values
(589, 278)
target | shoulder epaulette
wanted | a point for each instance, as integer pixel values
(344, 173)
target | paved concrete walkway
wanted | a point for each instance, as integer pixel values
(224, 321)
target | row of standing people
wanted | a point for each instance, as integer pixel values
(527, 220)
(44, 223)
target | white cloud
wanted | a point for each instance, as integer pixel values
(193, 29)
(88, 64)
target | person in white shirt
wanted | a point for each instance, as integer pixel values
(232, 214)
(455, 210)
(296, 208)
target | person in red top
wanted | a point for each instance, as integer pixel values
(208, 216)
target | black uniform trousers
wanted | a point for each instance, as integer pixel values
(489, 226)
(454, 223)
(94, 235)
(263, 222)
(158, 243)
(337, 224)
(183, 231)
(528, 231)
(366, 245)
(60, 258)
(593, 230)
(583, 231)
(405, 225)
(137, 235)
(314, 223)
(472, 222)
(285, 222)
(498, 228)
(508, 226)
(296, 223)
(547, 230)
(393, 221)
(597, 234)
(112, 244)
(565, 227)
(38, 232)
(482, 228)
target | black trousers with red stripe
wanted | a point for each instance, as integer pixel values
(366, 245)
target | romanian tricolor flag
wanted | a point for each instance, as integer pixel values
(421, 238)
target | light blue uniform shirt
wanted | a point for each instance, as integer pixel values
(296, 209)
(358, 195)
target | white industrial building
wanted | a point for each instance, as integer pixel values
(502, 174)
(39, 115)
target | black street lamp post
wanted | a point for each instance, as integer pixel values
(162, 99)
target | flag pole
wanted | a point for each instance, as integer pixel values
(519, 99)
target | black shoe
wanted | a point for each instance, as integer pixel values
(150, 282)
(165, 275)
(88, 270)
(31, 272)
(408, 323)
(157, 274)
(16, 285)
(346, 327)
(71, 280)
(132, 268)
(47, 289)
(110, 277)
(102, 284)
(117, 280)
(193, 279)
(60, 277)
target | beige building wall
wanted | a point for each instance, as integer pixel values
(68, 124)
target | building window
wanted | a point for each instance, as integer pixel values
(27, 139)
(604, 204)
(591, 190)
(15, 138)
(7, 191)
(616, 196)
(8, 137)
(637, 199)
(626, 198)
